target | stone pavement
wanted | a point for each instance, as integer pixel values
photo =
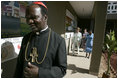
(78, 66)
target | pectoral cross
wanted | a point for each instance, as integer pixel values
(34, 54)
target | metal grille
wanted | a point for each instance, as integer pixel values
(112, 7)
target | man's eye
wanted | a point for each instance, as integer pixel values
(32, 17)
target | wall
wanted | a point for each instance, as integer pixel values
(69, 7)
(57, 13)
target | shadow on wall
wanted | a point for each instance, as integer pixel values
(8, 60)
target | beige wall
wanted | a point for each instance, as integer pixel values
(57, 13)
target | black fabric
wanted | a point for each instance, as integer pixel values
(55, 63)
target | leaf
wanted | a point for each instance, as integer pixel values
(107, 46)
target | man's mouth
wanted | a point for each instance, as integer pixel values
(32, 26)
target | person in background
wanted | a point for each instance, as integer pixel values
(76, 40)
(89, 44)
(43, 51)
(84, 39)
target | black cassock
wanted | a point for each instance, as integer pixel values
(55, 62)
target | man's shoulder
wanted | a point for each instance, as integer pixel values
(79, 32)
(27, 35)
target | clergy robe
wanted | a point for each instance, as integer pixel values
(55, 63)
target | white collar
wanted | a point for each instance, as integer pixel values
(44, 28)
(37, 33)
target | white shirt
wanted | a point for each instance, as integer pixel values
(77, 37)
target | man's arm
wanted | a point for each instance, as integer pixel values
(59, 70)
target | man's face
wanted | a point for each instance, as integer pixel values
(77, 30)
(34, 18)
(85, 30)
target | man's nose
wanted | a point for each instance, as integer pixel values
(30, 21)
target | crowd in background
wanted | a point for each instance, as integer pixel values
(82, 40)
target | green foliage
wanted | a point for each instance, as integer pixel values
(110, 45)
(111, 42)
(25, 29)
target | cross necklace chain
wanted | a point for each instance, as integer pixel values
(34, 53)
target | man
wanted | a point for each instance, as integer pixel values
(76, 40)
(43, 52)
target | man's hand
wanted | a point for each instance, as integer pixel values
(31, 71)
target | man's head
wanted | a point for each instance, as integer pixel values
(36, 17)
(77, 29)
(85, 30)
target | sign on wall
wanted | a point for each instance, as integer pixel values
(71, 22)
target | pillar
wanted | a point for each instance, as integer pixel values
(100, 24)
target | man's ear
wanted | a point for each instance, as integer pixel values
(46, 17)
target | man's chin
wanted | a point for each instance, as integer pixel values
(34, 31)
